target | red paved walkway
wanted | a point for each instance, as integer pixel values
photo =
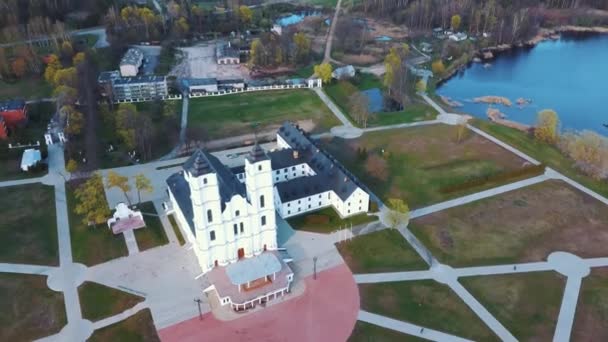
(327, 311)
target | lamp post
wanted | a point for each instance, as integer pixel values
(314, 268)
(200, 313)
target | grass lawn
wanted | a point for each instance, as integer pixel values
(225, 116)
(340, 93)
(176, 230)
(591, 320)
(30, 88)
(92, 245)
(425, 303)
(366, 332)
(28, 226)
(545, 153)
(310, 222)
(418, 162)
(99, 301)
(153, 235)
(523, 225)
(39, 115)
(139, 327)
(381, 251)
(30, 310)
(527, 304)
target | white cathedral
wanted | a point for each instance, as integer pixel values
(229, 214)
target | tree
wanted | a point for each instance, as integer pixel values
(71, 166)
(91, 201)
(142, 183)
(121, 182)
(245, 14)
(73, 118)
(302, 47)
(421, 86)
(461, 131)
(65, 95)
(66, 49)
(181, 27)
(547, 126)
(438, 68)
(67, 77)
(399, 213)
(359, 107)
(323, 71)
(589, 151)
(256, 54)
(18, 67)
(126, 118)
(455, 22)
(52, 66)
(78, 58)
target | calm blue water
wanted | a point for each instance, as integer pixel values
(569, 75)
(376, 99)
(295, 18)
(384, 38)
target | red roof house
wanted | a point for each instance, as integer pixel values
(14, 112)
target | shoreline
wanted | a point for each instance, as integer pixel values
(543, 34)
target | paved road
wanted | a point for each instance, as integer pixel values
(330, 36)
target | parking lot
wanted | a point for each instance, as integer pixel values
(199, 62)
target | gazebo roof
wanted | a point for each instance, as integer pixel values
(254, 268)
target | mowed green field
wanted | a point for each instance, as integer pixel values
(28, 225)
(225, 116)
(416, 163)
(526, 303)
(425, 303)
(30, 310)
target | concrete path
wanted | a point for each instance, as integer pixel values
(477, 196)
(21, 182)
(165, 222)
(26, 269)
(567, 310)
(556, 175)
(129, 236)
(504, 145)
(121, 316)
(481, 312)
(407, 328)
(334, 109)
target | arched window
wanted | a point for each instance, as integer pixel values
(262, 201)
(209, 216)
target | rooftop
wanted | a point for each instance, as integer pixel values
(250, 269)
(132, 57)
(219, 277)
(139, 79)
(224, 49)
(106, 76)
(12, 105)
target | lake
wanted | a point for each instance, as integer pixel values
(568, 75)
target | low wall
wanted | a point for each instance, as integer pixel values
(249, 89)
(148, 99)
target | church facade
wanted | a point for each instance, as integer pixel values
(229, 214)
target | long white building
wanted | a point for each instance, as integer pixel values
(230, 213)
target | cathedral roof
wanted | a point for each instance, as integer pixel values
(330, 174)
(197, 164)
(256, 154)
